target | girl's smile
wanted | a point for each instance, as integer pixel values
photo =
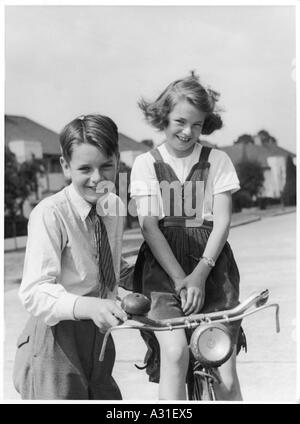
(185, 123)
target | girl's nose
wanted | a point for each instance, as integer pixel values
(187, 130)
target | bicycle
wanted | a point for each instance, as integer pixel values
(210, 344)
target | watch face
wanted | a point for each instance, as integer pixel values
(209, 261)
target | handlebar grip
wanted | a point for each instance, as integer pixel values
(257, 299)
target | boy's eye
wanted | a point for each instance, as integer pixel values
(179, 121)
(84, 168)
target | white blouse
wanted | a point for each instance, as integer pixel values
(222, 177)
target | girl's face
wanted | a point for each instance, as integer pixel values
(89, 168)
(185, 124)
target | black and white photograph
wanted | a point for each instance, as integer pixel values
(149, 204)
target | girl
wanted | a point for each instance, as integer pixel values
(70, 273)
(185, 264)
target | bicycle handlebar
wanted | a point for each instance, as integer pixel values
(257, 300)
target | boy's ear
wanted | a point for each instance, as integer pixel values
(65, 167)
(117, 162)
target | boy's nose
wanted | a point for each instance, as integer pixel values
(96, 177)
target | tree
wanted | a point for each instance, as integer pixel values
(12, 184)
(29, 173)
(266, 139)
(289, 191)
(245, 139)
(251, 176)
(20, 181)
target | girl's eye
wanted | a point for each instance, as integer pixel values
(179, 121)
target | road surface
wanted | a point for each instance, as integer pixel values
(266, 255)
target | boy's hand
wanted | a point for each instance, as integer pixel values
(104, 312)
(107, 314)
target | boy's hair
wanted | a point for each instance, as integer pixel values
(190, 89)
(98, 130)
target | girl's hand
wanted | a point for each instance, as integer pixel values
(192, 294)
(192, 299)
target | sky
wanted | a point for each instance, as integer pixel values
(64, 61)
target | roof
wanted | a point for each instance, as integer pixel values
(276, 150)
(22, 128)
(126, 143)
(254, 152)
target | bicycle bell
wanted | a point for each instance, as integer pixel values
(211, 344)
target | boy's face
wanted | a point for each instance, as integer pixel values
(90, 170)
(185, 124)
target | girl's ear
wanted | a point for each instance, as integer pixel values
(65, 167)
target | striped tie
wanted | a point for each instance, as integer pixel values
(104, 257)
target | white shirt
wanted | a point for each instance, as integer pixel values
(221, 177)
(60, 260)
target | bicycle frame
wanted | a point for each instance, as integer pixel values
(210, 378)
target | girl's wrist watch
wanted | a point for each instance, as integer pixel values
(209, 261)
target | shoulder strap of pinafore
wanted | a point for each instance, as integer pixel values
(156, 154)
(205, 151)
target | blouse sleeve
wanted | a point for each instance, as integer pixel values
(224, 174)
(145, 188)
(143, 181)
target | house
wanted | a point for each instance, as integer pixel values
(272, 159)
(25, 138)
(130, 149)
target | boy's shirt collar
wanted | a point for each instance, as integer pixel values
(83, 207)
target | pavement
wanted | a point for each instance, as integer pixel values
(265, 250)
(242, 218)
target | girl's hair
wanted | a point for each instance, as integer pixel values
(190, 89)
(98, 130)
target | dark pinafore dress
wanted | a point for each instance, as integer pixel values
(187, 238)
